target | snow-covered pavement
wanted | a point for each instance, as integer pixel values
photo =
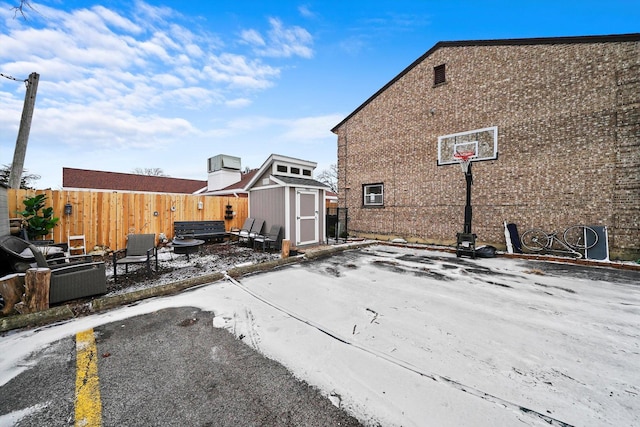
(411, 337)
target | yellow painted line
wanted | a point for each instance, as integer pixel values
(88, 404)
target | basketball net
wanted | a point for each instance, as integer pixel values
(464, 158)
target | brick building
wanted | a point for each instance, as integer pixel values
(567, 116)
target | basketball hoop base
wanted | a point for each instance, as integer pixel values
(466, 245)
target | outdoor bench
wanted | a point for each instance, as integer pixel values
(208, 230)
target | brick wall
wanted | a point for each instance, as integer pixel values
(568, 118)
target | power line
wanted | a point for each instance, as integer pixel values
(12, 78)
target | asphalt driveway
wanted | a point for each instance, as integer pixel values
(389, 335)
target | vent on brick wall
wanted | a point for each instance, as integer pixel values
(439, 75)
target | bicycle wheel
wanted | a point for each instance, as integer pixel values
(580, 237)
(535, 240)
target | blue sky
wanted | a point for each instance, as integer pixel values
(168, 84)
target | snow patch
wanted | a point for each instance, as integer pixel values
(10, 419)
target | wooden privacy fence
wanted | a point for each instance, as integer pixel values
(105, 218)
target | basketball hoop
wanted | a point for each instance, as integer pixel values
(464, 158)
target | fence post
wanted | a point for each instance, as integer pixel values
(286, 243)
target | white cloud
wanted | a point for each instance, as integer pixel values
(238, 102)
(238, 71)
(289, 41)
(74, 50)
(306, 11)
(282, 41)
(252, 37)
(116, 20)
(79, 126)
(113, 80)
(145, 12)
(167, 80)
(305, 129)
(193, 50)
(310, 129)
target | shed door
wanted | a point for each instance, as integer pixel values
(306, 217)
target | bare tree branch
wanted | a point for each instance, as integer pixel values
(26, 180)
(330, 177)
(149, 172)
(19, 9)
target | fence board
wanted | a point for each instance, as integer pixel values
(105, 218)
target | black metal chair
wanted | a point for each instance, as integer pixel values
(140, 249)
(273, 239)
(256, 230)
(236, 233)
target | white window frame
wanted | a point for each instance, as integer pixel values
(373, 199)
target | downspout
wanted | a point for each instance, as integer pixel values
(346, 190)
(344, 187)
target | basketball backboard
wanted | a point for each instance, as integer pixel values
(482, 142)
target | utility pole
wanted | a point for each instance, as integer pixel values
(23, 133)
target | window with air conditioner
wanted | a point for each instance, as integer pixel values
(373, 194)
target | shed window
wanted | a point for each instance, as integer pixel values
(295, 171)
(439, 75)
(373, 194)
(281, 168)
(306, 172)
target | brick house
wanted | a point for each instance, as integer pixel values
(566, 112)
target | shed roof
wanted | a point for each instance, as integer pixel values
(631, 37)
(278, 157)
(299, 182)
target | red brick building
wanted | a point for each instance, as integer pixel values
(567, 116)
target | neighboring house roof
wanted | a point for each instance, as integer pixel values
(496, 42)
(236, 189)
(100, 180)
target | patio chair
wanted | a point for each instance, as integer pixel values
(71, 277)
(140, 249)
(17, 255)
(246, 227)
(256, 229)
(272, 239)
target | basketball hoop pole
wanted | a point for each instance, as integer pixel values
(466, 241)
(465, 162)
(468, 211)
